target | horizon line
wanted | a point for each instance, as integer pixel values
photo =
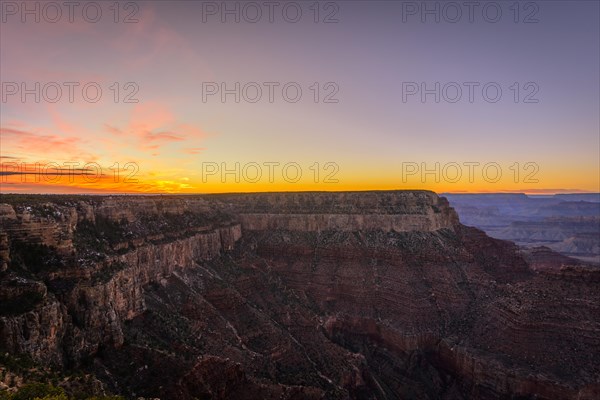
(539, 192)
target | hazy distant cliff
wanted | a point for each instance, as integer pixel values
(569, 224)
(291, 295)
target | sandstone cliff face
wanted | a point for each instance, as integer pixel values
(472, 304)
(343, 222)
(295, 295)
(343, 212)
(4, 252)
(92, 292)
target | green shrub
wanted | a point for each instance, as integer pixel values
(33, 391)
(53, 397)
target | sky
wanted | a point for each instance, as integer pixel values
(199, 97)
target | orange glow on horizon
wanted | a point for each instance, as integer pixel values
(107, 185)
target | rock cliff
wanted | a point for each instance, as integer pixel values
(293, 296)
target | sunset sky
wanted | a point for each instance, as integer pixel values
(365, 131)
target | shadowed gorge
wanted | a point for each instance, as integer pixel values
(363, 295)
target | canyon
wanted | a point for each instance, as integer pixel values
(312, 295)
(566, 223)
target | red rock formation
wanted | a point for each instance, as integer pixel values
(300, 295)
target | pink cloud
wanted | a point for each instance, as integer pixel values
(40, 146)
(153, 125)
(162, 136)
(112, 129)
(42, 143)
(194, 150)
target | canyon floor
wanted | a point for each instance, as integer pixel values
(316, 295)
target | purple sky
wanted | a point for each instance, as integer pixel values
(177, 50)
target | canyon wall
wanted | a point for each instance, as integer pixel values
(93, 289)
(348, 212)
(292, 295)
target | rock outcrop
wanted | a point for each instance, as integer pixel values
(96, 277)
(348, 212)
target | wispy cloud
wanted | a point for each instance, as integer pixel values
(194, 150)
(34, 143)
(152, 126)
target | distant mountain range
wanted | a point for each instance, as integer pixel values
(567, 223)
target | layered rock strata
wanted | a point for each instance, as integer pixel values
(293, 296)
